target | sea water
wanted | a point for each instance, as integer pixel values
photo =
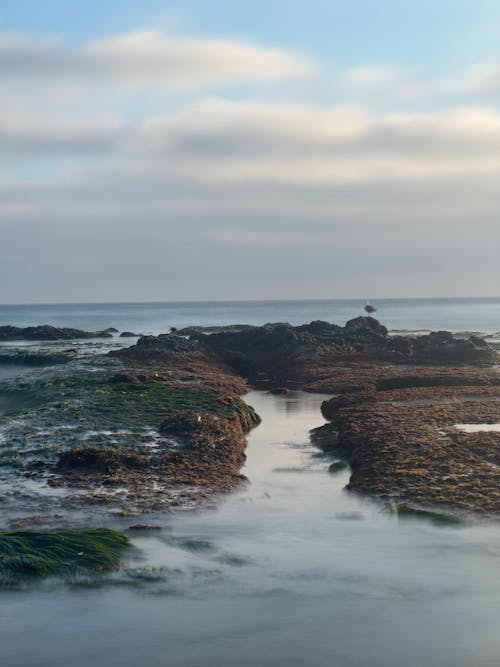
(291, 570)
(465, 315)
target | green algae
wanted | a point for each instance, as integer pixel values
(407, 511)
(82, 409)
(97, 400)
(34, 555)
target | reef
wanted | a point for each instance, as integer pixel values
(283, 355)
(161, 425)
(133, 433)
(397, 401)
(405, 445)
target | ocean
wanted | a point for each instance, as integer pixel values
(458, 315)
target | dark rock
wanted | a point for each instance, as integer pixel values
(325, 437)
(478, 342)
(194, 330)
(440, 338)
(125, 378)
(128, 334)
(99, 459)
(170, 342)
(442, 347)
(401, 344)
(48, 332)
(366, 328)
(337, 466)
(21, 358)
(150, 348)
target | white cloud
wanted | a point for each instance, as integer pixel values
(149, 59)
(237, 142)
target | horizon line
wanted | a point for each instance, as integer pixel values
(226, 301)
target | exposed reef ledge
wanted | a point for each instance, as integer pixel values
(125, 436)
(397, 401)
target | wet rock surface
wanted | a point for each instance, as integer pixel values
(161, 424)
(403, 445)
(288, 355)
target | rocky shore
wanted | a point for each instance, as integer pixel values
(161, 424)
(398, 400)
(126, 437)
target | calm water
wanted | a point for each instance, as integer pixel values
(291, 571)
(410, 314)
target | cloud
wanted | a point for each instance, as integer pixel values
(247, 195)
(219, 140)
(149, 59)
(47, 137)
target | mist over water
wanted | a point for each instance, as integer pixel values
(292, 570)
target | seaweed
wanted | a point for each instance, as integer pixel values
(33, 555)
(407, 511)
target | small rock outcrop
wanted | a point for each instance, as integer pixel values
(157, 348)
(49, 332)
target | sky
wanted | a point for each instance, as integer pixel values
(212, 149)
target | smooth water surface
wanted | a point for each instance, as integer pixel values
(291, 571)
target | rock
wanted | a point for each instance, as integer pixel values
(48, 332)
(128, 334)
(440, 338)
(442, 347)
(126, 378)
(401, 344)
(194, 330)
(366, 329)
(170, 342)
(99, 459)
(478, 342)
(21, 358)
(337, 466)
(156, 348)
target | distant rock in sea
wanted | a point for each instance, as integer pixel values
(48, 332)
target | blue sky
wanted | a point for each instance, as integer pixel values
(428, 34)
(206, 150)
